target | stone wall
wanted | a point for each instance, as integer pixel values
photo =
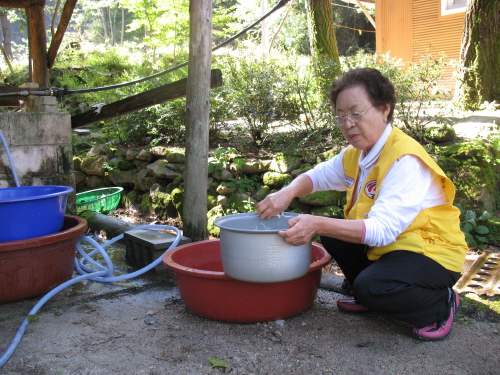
(152, 179)
(41, 149)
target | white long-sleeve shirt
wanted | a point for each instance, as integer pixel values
(409, 187)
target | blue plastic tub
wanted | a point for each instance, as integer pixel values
(32, 211)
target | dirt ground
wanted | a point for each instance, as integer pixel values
(143, 327)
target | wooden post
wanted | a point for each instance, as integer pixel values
(38, 46)
(197, 119)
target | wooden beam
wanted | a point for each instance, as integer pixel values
(66, 14)
(368, 15)
(143, 100)
(38, 46)
(10, 103)
(21, 3)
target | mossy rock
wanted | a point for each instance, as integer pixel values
(327, 211)
(213, 214)
(493, 225)
(302, 169)
(473, 168)
(327, 155)
(211, 200)
(296, 204)
(324, 198)
(130, 199)
(275, 179)
(284, 163)
(179, 182)
(178, 201)
(121, 164)
(242, 203)
(440, 134)
(146, 205)
(173, 155)
(262, 192)
(145, 184)
(161, 203)
(94, 165)
(310, 156)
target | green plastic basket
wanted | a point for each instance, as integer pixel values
(102, 200)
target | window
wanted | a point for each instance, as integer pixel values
(453, 6)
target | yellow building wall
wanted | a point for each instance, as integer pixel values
(409, 29)
(394, 29)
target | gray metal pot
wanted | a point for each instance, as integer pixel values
(252, 250)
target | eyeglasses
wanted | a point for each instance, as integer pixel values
(353, 117)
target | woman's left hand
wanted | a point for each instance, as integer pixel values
(301, 229)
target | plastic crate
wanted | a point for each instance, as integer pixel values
(102, 200)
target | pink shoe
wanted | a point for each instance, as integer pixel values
(440, 330)
(351, 305)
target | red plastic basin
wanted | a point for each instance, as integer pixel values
(33, 266)
(208, 292)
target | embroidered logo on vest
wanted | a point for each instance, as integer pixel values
(371, 188)
(348, 181)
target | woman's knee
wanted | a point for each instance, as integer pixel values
(363, 288)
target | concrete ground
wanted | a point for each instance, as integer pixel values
(141, 326)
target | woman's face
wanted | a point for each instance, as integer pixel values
(366, 132)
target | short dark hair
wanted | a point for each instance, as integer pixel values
(379, 88)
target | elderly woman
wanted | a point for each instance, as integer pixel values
(399, 244)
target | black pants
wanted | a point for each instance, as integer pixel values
(402, 284)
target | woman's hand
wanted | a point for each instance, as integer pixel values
(301, 229)
(273, 204)
(278, 202)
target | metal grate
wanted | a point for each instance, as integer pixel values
(483, 277)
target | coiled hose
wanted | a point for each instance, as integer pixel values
(103, 274)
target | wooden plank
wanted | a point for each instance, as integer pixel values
(9, 103)
(67, 12)
(143, 100)
(21, 3)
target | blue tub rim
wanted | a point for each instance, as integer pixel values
(58, 190)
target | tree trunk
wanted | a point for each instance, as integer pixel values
(7, 38)
(54, 16)
(111, 16)
(479, 71)
(197, 120)
(57, 38)
(264, 7)
(122, 34)
(323, 37)
(104, 24)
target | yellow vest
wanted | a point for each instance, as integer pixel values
(435, 232)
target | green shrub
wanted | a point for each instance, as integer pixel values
(473, 227)
(260, 92)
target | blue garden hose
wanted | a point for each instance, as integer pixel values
(10, 159)
(102, 274)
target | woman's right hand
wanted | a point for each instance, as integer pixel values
(273, 204)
